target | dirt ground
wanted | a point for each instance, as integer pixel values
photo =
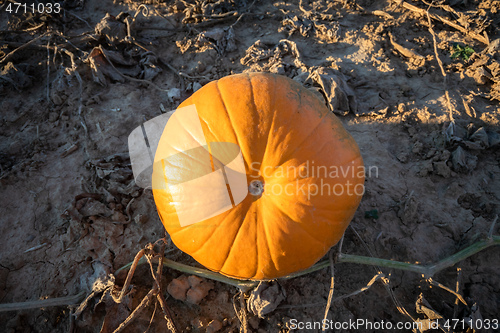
(71, 213)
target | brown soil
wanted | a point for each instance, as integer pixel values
(66, 181)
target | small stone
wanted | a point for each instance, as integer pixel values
(174, 94)
(417, 147)
(141, 219)
(196, 294)
(401, 108)
(119, 217)
(56, 99)
(445, 156)
(199, 323)
(254, 322)
(425, 168)
(53, 117)
(194, 281)
(214, 326)
(430, 153)
(196, 86)
(442, 169)
(177, 288)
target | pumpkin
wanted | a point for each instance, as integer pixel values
(299, 177)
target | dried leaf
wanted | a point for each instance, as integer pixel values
(480, 137)
(111, 28)
(423, 307)
(265, 298)
(339, 96)
(102, 68)
(283, 60)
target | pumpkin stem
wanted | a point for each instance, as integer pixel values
(256, 188)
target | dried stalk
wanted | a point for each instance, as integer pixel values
(476, 36)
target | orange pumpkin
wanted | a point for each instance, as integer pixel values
(303, 177)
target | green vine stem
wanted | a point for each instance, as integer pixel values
(43, 303)
(427, 270)
(246, 285)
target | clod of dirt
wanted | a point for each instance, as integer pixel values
(222, 39)
(480, 137)
(340, 98)
(191, 289)
(484, 68)
(283, 60)
(462, 160)
(199, 289)
(199, 323)
(174, 94)
(493, 138)
(442, 169)
(265, 298)
(296, 24)
(178, 288)
(408, 210)
(475, 317)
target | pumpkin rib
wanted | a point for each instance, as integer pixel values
(297, 222)
(186, 128)
(277, 168)
(210, 130)
(257, 264)
(235, 237)
(306, 137)
(245, 159)
(267, 242)
(271, 129)
(263, 157)
(229, 219)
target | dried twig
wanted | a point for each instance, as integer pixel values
(48, 71)
(374, 279)
(386, 281)
(332, 286)
(155, 292)
(482, 39)
(131, 272)
(457, 295)
(144, 303)
(443, 72)
(458, 289)
(241, 313)
(8, 56)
